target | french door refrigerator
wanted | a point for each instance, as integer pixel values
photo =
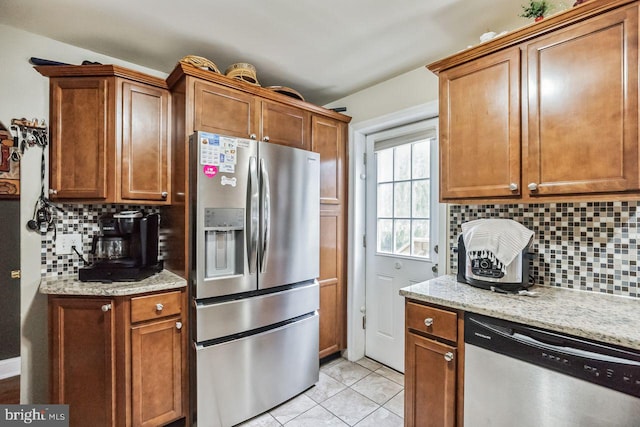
(254, 246)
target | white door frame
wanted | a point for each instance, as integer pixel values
(356, 218)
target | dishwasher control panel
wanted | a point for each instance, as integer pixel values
(610, 366)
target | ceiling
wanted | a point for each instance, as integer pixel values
(323, 49)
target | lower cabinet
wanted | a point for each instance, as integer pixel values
(118, 361)
(433, 367)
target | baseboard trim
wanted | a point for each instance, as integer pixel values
(9, 368)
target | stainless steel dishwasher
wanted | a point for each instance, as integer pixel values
(516, 375)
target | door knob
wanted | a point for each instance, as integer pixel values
(178, 325)
(397, 265)
(52, 191)
(265, 139)
(448, 356)
(106, 307)
(428, 321)
(253, 136)
(513, 186)
(159, 307)
(164, 194)
(532, 186)
(434, 268)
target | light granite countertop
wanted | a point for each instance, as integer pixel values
(70, 285)
(600, 317)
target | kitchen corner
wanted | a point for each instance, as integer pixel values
(70, 285)
(607, 318)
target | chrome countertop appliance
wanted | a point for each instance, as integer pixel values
(126, 249)
(255, 258)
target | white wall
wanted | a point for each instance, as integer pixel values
(407, 90)
(25, 93)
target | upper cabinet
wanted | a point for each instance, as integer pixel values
(480, 127)
(109, 135)
(547, 112)
(226, 111)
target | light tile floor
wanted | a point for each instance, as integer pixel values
(363, 393)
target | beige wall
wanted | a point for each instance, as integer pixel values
(407, 90)
(25, 93)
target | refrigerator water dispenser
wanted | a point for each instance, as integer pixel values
(224, 237)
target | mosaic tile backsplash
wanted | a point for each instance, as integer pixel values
(590, 246)
(82, 219)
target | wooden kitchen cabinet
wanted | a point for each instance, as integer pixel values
(480, 127)
(119, 361)
(226, 111)
(328, 137)
(583, 107)
(434, 361)
(573, 131)
(109, 135)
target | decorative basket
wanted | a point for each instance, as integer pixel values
(286, 91)
(200, 62)
(243, 71)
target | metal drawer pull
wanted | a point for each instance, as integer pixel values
(106, 307)
(532, 186)
(428, 321)
(178, 325)
(265, 139)
(164, 194)
(159, 307)
(448, 356)
(513, 186)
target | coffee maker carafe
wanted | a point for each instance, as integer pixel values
(126, 249)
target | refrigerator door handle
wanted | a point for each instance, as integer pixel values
(253, 215)
(266, 214)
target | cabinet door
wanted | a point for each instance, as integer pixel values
(156, 372)
(223, 111)
(332, 303)
(82, 334)
(430, 383)
(285, 125)
(145, 143)
(328, 139)
(583, 107)
(480, 127)
(79, 138)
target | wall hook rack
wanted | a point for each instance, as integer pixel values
(29, 133)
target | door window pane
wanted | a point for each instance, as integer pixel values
(420, 238)
(402, 163)
(402, 233)
(421, 159)
(384, 160)
(385, 200)
(420, 199)
(385, 235)
(403, 199)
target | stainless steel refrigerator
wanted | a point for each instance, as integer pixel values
(255, 259)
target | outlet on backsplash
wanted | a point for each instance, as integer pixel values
(66, 242)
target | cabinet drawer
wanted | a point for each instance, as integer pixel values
(155, 306)
(440, 323)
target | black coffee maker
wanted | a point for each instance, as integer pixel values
(125, 250)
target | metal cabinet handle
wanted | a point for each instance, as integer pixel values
(265, 139)
(428, 321)
(513, 186)
(159, 307)
(178, 325)
(448, 356)
(253, 136)
(164, 194)
(106, 307)
(53, 191)
(532, 186)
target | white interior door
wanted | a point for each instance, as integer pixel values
(401, 230)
